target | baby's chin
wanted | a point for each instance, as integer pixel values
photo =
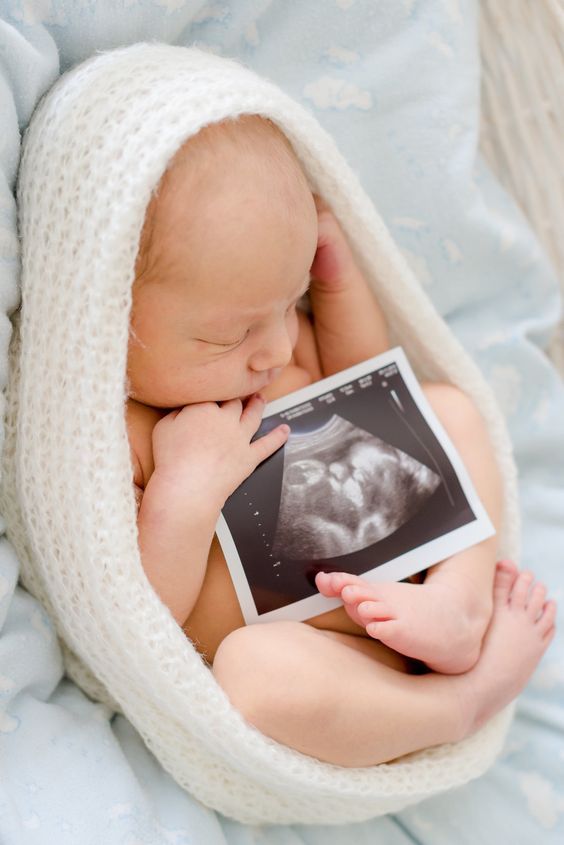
(171, 403)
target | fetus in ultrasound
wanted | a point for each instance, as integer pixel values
(344, 489)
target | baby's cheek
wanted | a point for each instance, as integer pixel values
(291, 378)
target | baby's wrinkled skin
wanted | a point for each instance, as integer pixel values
(230, 242)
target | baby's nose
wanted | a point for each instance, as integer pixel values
(275, 351)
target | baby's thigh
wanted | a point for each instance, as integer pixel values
(468, 431)
(260, 667)
(288, 664)
(458, 414)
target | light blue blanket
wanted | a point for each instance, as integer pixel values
(396, 82)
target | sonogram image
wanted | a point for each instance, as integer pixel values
(362, 482)
(344, 489)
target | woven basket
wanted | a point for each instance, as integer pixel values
(522, 131)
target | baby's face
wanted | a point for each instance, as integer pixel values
(214, 318)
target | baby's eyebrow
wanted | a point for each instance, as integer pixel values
(305, 288)
(229, 320)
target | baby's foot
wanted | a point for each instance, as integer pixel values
(437, 623)
(522, 627)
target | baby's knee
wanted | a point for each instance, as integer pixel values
(454, 408)
(470, 435)
(257, 666)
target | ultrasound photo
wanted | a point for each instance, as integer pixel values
(367, 482)
(344, 489)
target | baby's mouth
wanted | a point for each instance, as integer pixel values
(271, 376)
(245, 399)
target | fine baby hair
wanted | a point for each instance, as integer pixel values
(252, 136)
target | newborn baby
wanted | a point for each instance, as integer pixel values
(232, 240)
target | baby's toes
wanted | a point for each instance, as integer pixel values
(374, 610)
(537, 599)
(508, 566)
(352, 612)
(545, 623)
(324, 583)
(503, 582)
(355, 593)
(520, 591)
(385, 630)
(330, 584)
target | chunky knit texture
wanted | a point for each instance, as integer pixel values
(95, 150)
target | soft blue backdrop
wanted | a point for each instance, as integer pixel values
(397, 83)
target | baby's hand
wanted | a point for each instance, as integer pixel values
(334, 262)
(205, 450)
(349, 323)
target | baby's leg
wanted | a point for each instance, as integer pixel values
(442, 621)
(326, 698)
(469, 574)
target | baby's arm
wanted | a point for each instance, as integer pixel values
(350, 327)
(165, 533)
(201, 453)
(349, 323)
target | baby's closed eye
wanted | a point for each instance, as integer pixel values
(224, 343)
(233, 342)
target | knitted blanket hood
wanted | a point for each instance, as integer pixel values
(95, 151)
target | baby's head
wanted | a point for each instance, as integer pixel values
(225, 253)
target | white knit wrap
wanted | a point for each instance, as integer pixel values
(95, 150)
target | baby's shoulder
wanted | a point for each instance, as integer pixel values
(141, 420)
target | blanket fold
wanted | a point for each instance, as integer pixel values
(94, 152)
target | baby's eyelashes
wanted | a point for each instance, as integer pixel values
(233, 342)
(291, 308)
(218, 343)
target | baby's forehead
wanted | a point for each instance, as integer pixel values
(242, 137)
(230, 198)
(247, 160)
(224, 304)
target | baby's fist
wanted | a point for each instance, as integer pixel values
(204, 449)
(331, 268)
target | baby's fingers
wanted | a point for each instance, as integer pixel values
(252, 414)
(265, 446)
